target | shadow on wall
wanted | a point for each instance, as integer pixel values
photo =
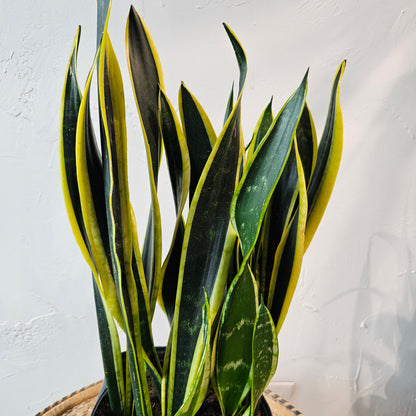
(384, 376)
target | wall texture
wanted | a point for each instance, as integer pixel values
(348, 346)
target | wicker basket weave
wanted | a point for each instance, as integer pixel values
(81, 403)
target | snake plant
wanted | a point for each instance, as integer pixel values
(234, 260)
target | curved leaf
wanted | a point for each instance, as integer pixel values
(198, 382)
(114, 148)
(179, 171)
(263, 172)
(289, 255)
(71, 101)
(206, 233)
(199, 133)
(260, 131)
(264, 353)
(230, 104)
(146, 78)
(328, 160)
(307, 143)
(111, 355)
(233, 358)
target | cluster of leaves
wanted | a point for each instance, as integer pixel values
(232, 268)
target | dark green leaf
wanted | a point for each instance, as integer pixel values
(261, 176)
(328, 160)
(205, 236)
(199, 135)
(306, 138)
(230, 104)
(234, 344)
(265, 353)
(111, 354)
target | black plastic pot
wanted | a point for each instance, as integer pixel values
(102, 405)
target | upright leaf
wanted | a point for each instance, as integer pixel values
(198, 382)
(90, 179)
(328, 160)
(114, 148)
(265, 353)
(307, 143)
(233, 359)
(179, 171)
(230, 104)
(206, 234)
(199, 133)
(263, 172)
(289, 255)
(111, 356)
(261, 129)
(71, 101)
(146, 77)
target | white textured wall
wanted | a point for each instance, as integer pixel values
(348, 346)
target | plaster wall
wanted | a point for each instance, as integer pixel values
(348, 346)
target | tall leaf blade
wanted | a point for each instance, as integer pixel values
(198, 382)
(144, 305)
(230, 104)
(170, 271)
(307, 143)
(91, 192)
(179, 171)
(264, 353)
(205, 237)
(176, 151)
(110, 346)
(111, 355)
(234, 343)
(263, 172)
(279, 213)
(114, 148)
(199, 133)
(71, 102)
(289, 254)
(204, 240)
(146, 78)
(260, 131)
(328, 160)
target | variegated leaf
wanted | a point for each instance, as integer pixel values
(264, 170)
(328, 160)
(199, 379)
(114, 148)
(111, 356)
(206, 234)
(146, 77)
(230, 104)
(265, 353)
(289, 254)
(307, 143)
(233, 358)
(179, 170)
(261, 129)
(199, 133)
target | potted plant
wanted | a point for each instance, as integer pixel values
(233, 264)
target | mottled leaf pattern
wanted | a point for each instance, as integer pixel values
(206, 235)
(233, 359)
(233, 263)
(261, 176)
(264, 353)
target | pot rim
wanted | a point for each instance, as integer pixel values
(278, 405)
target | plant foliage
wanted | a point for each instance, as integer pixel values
(234, 261)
